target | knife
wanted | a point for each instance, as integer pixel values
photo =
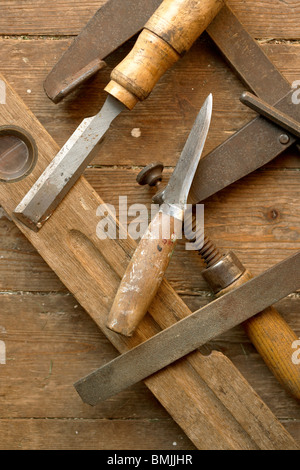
(147, 267)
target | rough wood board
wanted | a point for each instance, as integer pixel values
(261, 234)
(26, 64)
(264, 19)
(69, 244)
(167, 115)
(56, 434)
(51, 336)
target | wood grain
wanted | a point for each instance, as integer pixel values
(264, 18)
(51, 335)
(70, 245)
(144, 274)
(182, 91)
(256, 217)
(56, 434)
(260, 234)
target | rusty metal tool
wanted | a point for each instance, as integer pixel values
(67, 166)
(192, 332)
(147, 267)
(260, 139)
(169, 33)
(268, 331)
(90, 268)
(270, 112)
(111, 26)
(259, 74)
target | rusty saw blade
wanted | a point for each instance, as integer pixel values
(192, 332)
(112, 25)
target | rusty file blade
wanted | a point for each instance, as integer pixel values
(112, 25)
(192, 332)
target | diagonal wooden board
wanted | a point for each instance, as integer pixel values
(206, 396)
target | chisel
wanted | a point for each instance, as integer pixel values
(168, 34)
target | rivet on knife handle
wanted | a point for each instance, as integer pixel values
(169, 33)
(146, 270)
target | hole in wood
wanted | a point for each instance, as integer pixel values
(18, 154)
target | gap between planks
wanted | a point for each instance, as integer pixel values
(35, 37)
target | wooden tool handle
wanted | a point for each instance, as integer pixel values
(169, 33)
(273, 339)
(143, 276)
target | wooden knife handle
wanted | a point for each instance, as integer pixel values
(143, 276)
(273, 339)
(169, 33)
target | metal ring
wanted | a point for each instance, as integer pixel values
(224, 273)
(31, 156)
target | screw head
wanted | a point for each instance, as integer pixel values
(151, 174)
(284, 139)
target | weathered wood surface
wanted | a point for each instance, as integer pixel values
(264, 19)
(263, 232)
(92, 268)
(26, 63)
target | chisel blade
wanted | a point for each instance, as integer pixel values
(70, 162)
(192, 332)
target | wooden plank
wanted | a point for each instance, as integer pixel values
(50, 342)
(181, 91)
(26, 63)
(272, 19)
(70, 245)
(262, 233)
(21, 267)
(60, 17)
(93, 434)
(65, 17)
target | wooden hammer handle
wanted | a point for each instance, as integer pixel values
(143, 276)
(169, 33)
(273, 339)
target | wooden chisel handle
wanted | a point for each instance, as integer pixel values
(273, 339)
(169, 33)
(144, 275)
